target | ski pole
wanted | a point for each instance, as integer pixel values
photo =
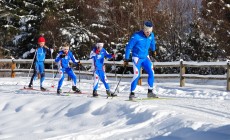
(54, 78)
(79, 68)
(52, 69)
(52, 62)
(120, 79)
(115, 71)
(31, 66)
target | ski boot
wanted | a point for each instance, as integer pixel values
(108, 92)
(43, 89)
(30, 86)
(151, 94)
(59, 91)
(95, 93)
(74, 88)
(132, 96)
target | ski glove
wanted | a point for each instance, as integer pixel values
(79, 63)
(62, 55)
(126, 63)
(154, 54)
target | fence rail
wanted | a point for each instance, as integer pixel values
(178, 64)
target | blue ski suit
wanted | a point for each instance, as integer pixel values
(64, 66)
(139, 45)
(98, 63)
(38, 64)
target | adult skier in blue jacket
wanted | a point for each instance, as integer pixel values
(97, 55)
(139, 45)
(38, 63)
(63, 58)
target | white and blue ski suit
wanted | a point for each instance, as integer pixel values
(38, 64)
(139, 45)
(98, 63)
(64, 66)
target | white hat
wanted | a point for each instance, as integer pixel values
(148, 26)
(99, 45)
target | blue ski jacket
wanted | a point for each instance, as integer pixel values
(98, 59)
(139, 44)
(64, 62)
(41, 54)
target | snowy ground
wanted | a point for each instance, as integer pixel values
(198, 111)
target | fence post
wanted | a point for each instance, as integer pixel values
(13, 66)
(182, 72)
(140, 79)
(228, 76)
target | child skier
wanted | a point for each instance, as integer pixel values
(97, 55)
(63, 58)
(38, 63)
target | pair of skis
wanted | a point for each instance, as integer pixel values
(67, 93)
(51, 91)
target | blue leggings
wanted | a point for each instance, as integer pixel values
(147, 65)
(38, 68)
(70, 73)
(100, 74)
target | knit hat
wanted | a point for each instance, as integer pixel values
(148, 26)
(41, 39)
(99, 45)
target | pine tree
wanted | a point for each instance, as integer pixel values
(216, 13)
(200, 47)
(21, 25)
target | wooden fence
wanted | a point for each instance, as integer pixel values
(178, 64)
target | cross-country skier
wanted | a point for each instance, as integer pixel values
(38, 63)
(139, 45)
(97, 55)
(63, 58)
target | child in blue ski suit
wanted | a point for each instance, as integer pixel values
(63, 58)
(139, 44)
(38, 63)
(97, 55)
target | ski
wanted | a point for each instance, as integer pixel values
(73, 92)
(33, 89)
(146, 99)
(52, 91)
(158, 98)
(63, 94)
(107, 97)
(99, 96)
(102, 96)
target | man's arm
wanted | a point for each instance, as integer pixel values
(130, 46)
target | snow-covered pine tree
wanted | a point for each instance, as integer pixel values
(217, 13)
(21, 25)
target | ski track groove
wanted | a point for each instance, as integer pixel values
(215, 113)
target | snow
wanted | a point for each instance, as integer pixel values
(198, 111)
